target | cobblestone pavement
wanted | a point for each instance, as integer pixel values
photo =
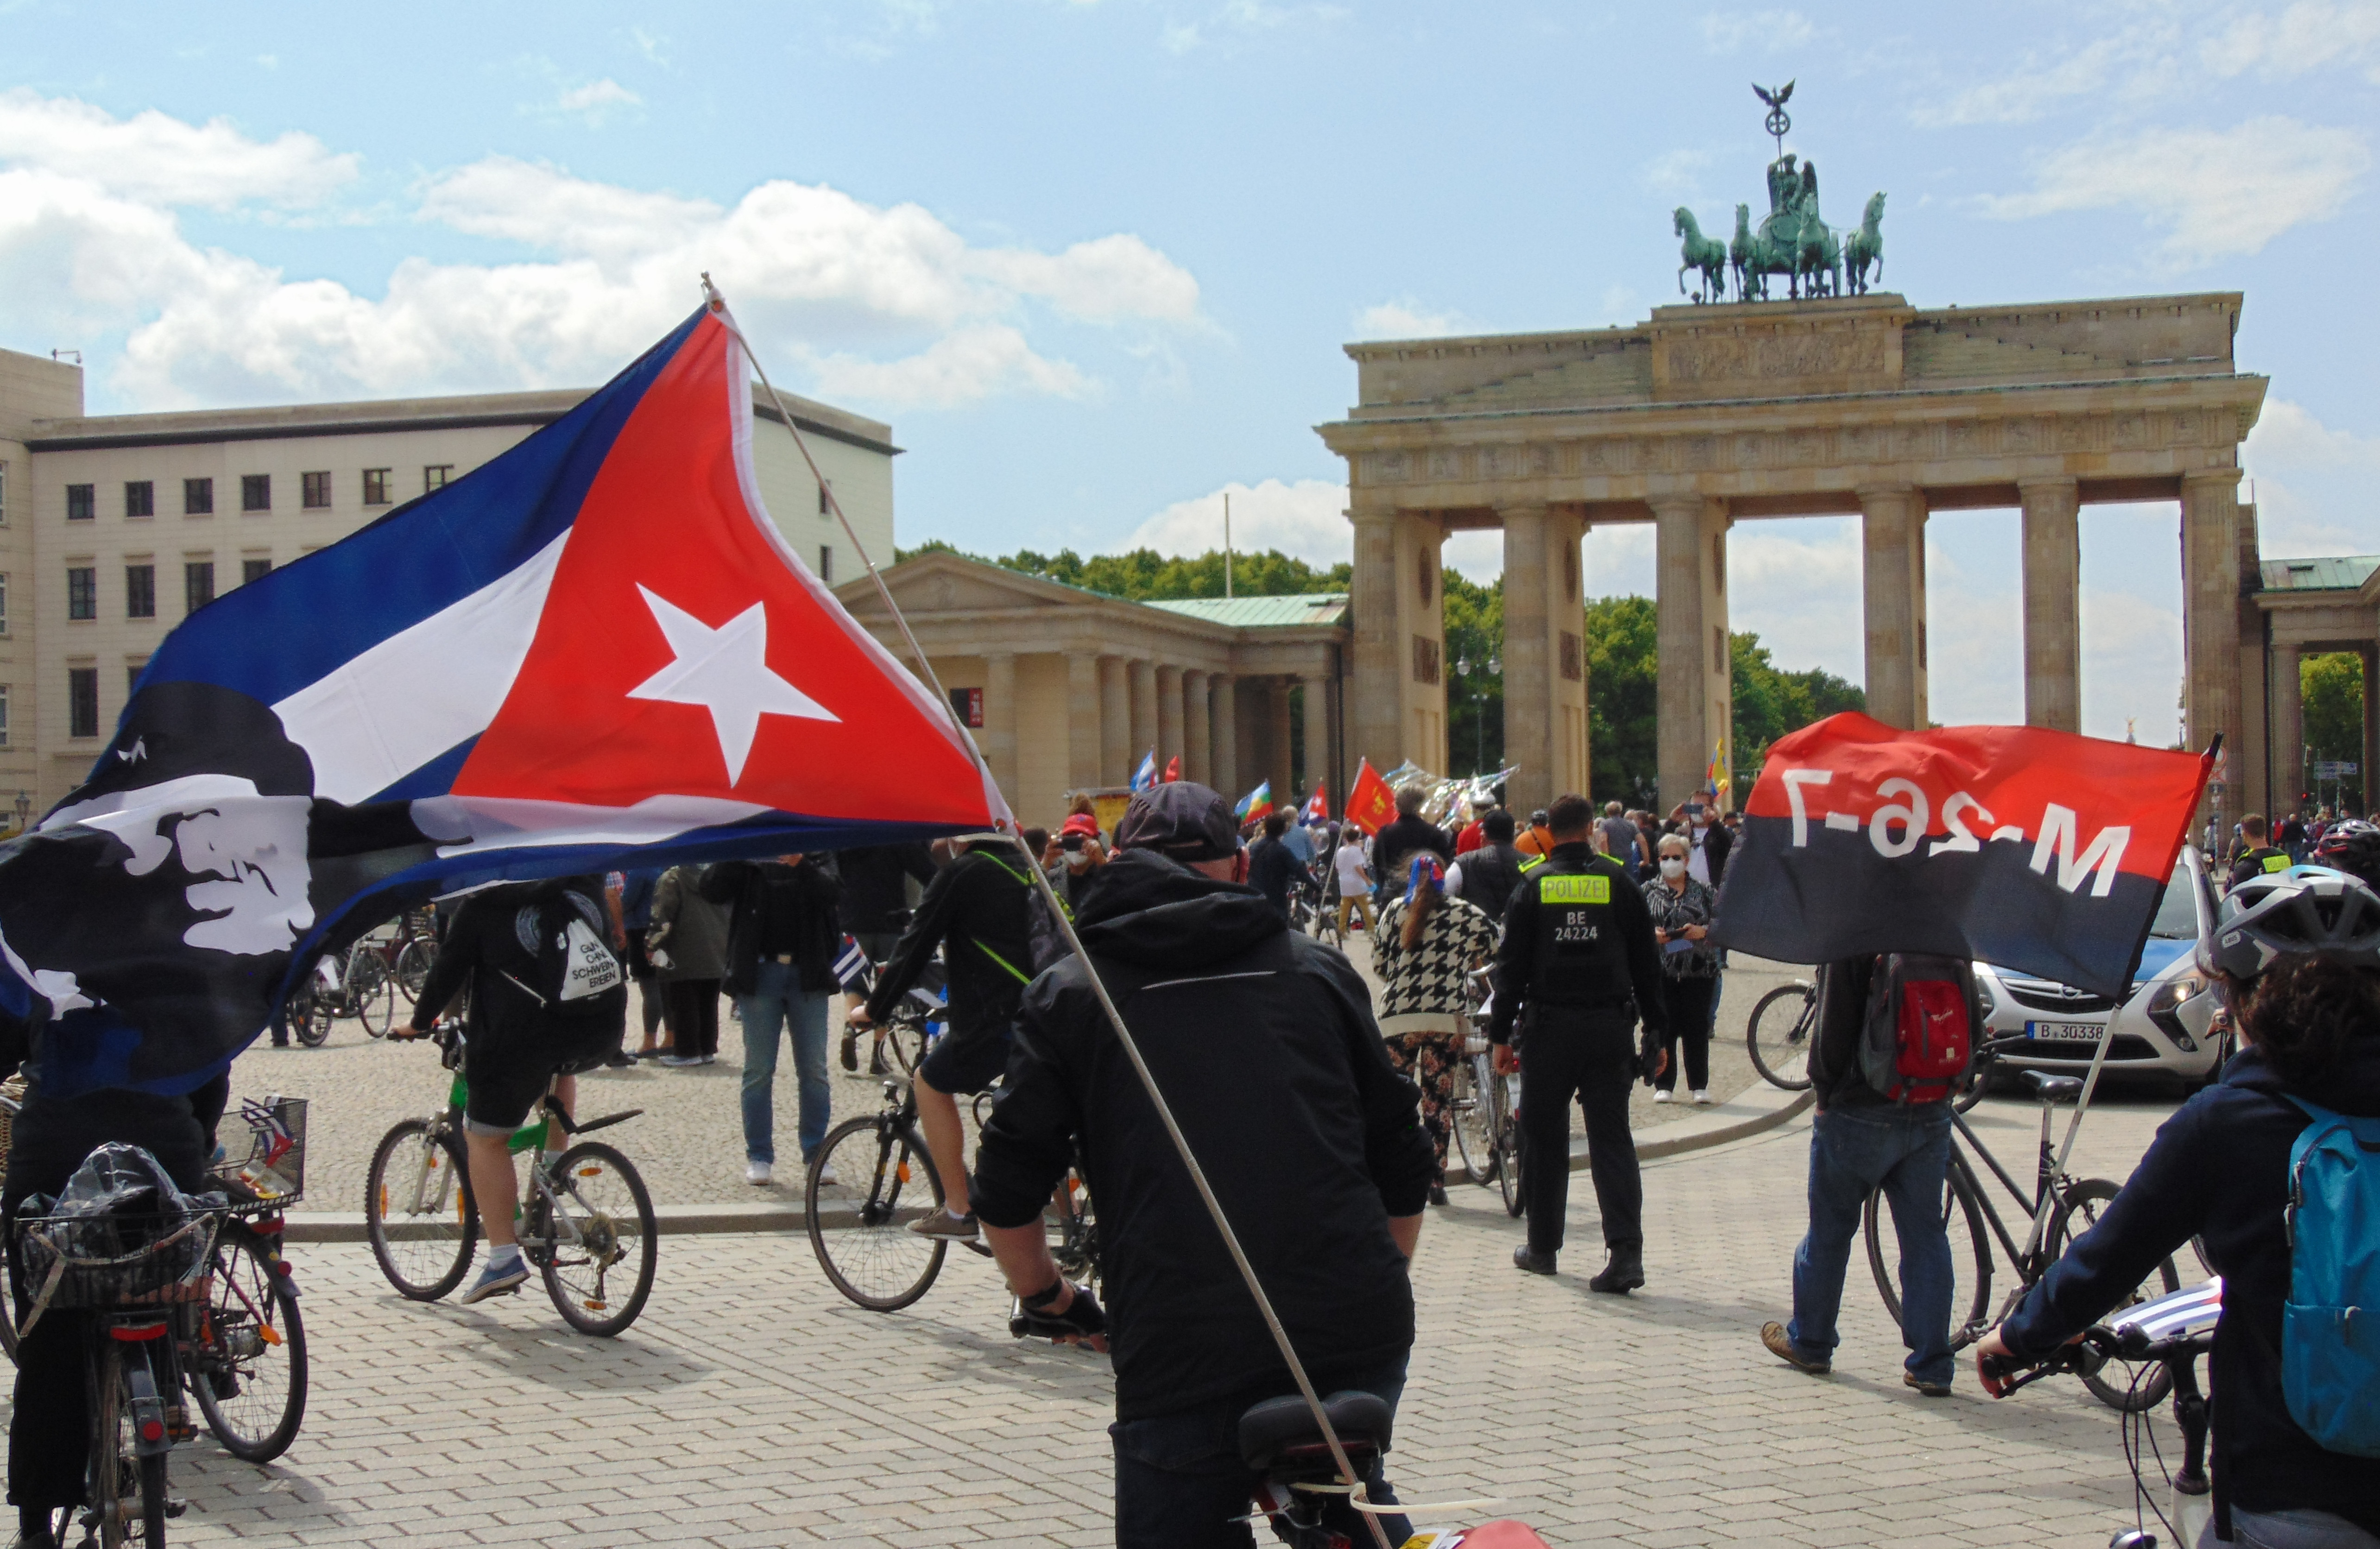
(750, 1406)
(689, 1144)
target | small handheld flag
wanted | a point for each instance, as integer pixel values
(1173, 768)
(1371, 806)
(1318, 808)
(1256, 805)
(1716, 774)
(1145, 777)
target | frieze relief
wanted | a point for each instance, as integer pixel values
(1778, 356)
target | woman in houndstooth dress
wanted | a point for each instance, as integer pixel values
(1428, 943)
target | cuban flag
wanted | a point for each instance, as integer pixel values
(596, 651)
(1145, 777)
(1318, 808)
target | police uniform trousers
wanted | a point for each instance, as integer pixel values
(1588, 1052)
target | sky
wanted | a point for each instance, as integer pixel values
(1095, 260)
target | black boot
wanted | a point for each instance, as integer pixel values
(1527, 1258)
(1623, 1274)
(850, 1049)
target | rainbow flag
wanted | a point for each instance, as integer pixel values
(1256, 805)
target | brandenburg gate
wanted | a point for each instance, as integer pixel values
(1711, 415)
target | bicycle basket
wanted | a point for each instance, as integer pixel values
(274, 1171)
(115, 1260)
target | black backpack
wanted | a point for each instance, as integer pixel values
(572, 971)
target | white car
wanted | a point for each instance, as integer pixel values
(2161, 1028)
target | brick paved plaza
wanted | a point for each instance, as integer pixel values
(751, 1406)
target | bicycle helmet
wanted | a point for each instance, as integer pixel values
(2304, 908)
(2351, 846)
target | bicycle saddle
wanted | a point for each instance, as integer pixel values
(1282, 1429)
(2053, 1089)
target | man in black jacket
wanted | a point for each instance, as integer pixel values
(781, 943)
(1486, 876)
(1405, 838)
(1273, 868)
(875, 905)
(1577, 950)
(1264, 1044)
(979, 912)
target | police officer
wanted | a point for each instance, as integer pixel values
(1577, 947)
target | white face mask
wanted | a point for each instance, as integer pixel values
(1077, 859)
(1672, 866)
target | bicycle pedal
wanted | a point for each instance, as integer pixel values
(974, 1245)
(175, 1507)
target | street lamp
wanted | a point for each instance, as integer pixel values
(1479, 709)
(24, 809)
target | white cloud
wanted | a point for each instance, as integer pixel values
(2312, 484)
(654, 46)
(596, 101)
(1407, 319)
(158, 160)
(1763, 30)
(1677, 172)
(2219, 192)
(960, 368)
(2306, 36)
(1306, 520)
(2031, 90)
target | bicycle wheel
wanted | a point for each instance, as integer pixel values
(309, 1015)
(905, 1042)
(413, 968)
(370, 991)
(868, 1251)
(125, 1488)
(1510, 1175)
(1472, 1122)
(1970, 1258)
(606, 1233)
(418, 1210)
(1779, 1033)
(248, 1370)
(2123, 1386)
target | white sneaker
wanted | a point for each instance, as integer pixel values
(1702, 1098)
(758, 1174)
(1662, 1095)
(827, 1179)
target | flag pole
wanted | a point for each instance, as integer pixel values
(1356, 1497)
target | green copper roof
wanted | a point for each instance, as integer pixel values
(1263, 613)
(2344, 573)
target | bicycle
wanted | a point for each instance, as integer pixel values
(245, 1361)
(1784, 1025)
(587, 1214)
(356, 982)
(2073, 1206)
(416, 948)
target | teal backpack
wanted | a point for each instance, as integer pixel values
(2330, 1328)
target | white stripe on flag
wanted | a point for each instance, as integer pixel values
(388, 710)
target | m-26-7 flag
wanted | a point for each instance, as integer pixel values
(594, 651)
(2039, 851)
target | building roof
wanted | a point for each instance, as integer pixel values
(1263, 613)
(2340, 572)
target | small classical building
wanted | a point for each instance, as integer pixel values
(116, 527)
(1067, 690)
(2305, 607)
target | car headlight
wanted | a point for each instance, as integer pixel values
(2169, 995)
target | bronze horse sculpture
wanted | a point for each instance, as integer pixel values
(1864, 246)
(1703, 254)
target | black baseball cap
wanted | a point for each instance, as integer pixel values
(1181, 820)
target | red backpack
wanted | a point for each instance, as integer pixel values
(1920, 1030)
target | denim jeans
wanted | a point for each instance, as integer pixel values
(2290, 1530)
(778, 1001)
(1180, 1481)
(1854, 1150)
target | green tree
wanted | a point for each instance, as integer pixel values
(1146, 576)
(1475, 699)
(1769, 702)
(2332, 686)
(1622, 699)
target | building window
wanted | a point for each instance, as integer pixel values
(967, 705)
(140, 592)
(197, 497)
(198, 585)
(435, 475)
(82, 701)
(82, 591)
(826, 565)
(376, 486)
(4, 605)
(254, 570)
(315, 491)
(3, 715)
(132, 678)
(256, 491)
(4, 490)
(139, 499)
(826, 507)
(82, 502)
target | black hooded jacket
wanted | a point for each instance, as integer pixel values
(2218, 1169)
(1264, 1044)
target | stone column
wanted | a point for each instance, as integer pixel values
(1545, 656)
(1224, 764)
(2288, 730)
(2210, 618)
(998, 738)
(1115, 721)
(1198, 724)
(1280, 753)
(1696, 685)
(2053, 623)
(1317, 693)
(2370, 751)
(1082, 719)
(1169, 718)
(1377, 715)
(1893, 544)
(1144, 715)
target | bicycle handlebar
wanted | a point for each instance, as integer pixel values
(2088, 1349)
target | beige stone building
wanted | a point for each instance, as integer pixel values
(1705, 417)
(115, 528)
(2303, 608)
(1066, 690)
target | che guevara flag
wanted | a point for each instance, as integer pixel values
(1371, 806)
(2039, 851)
(595, 651)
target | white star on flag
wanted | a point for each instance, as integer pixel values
(725, 671)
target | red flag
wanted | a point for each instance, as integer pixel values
(2039, 851)
(1172, 768)
(1371, 806)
